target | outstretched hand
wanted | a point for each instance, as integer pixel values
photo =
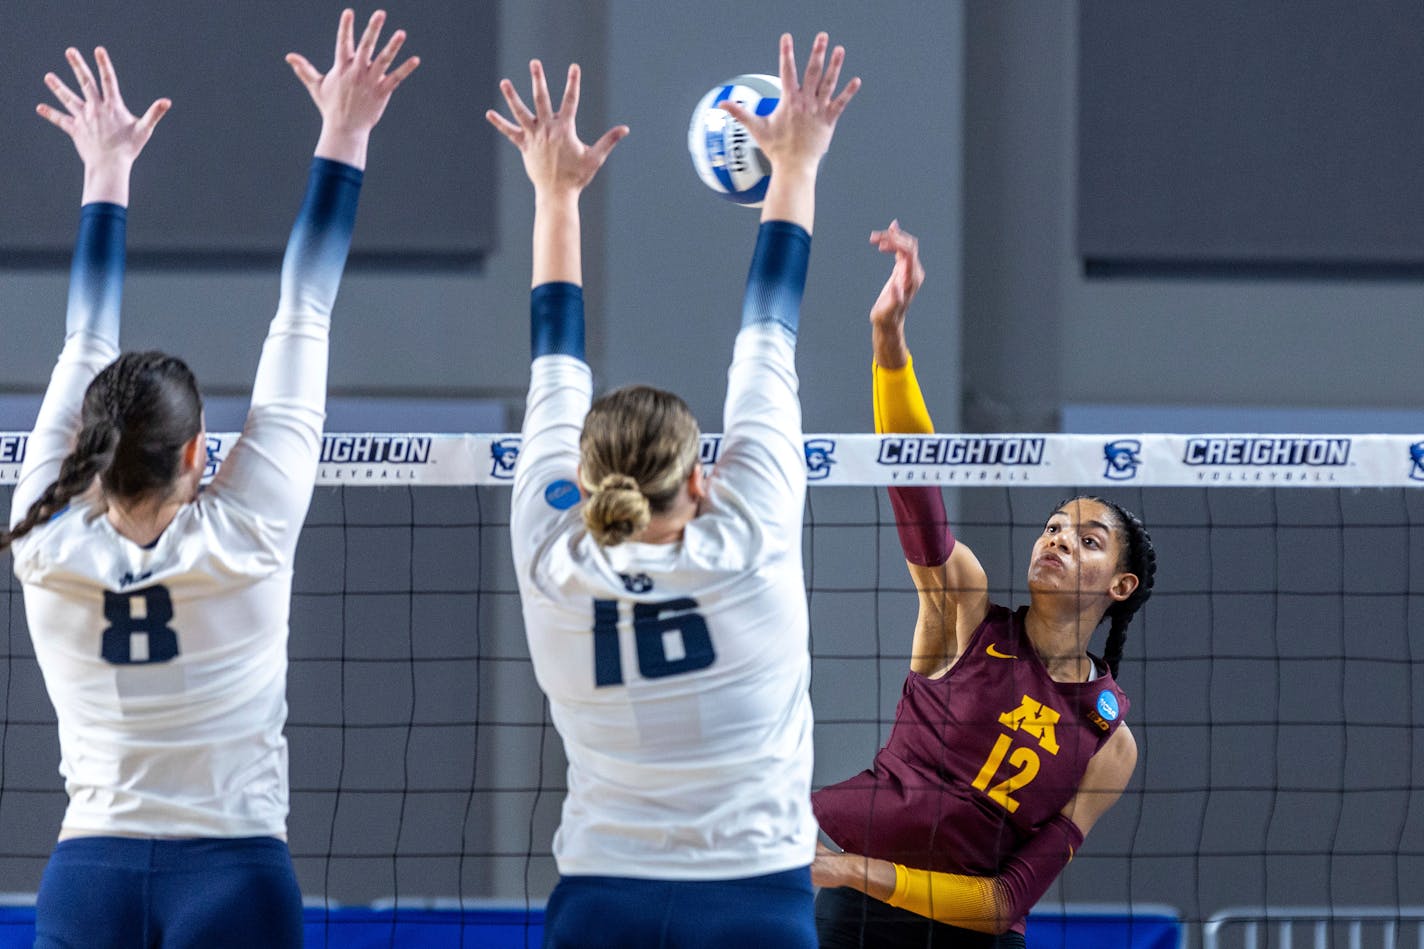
(554, 158)
(352, 95)
(887, 314)
(105, 133)
(798, 131)
(905, 280)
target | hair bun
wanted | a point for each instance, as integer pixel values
(618, 482)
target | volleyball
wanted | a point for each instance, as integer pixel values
(726, 157)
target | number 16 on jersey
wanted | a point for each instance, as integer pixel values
(670, 638)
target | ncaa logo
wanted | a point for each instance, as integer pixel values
(504, 452)
(562, 494)
(1107, 705)
(1123, 458)
(1416, 455)
(819, 458)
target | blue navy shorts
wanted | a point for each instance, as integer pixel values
(597, 912)
(129, 893)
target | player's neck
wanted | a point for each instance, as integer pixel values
(667, 527)
(1061, 641)
(658, 533)
(143, 522)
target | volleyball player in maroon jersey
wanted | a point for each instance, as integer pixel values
(1008, 743)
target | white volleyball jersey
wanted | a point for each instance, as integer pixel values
(677, 674)
(166, 665)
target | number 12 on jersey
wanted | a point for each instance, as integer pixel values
(671, 639)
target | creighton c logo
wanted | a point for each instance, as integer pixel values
(1123, 459)
(819, 452)
(1416, 455)
(505, 452)
(213, 447)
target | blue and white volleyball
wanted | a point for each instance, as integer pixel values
(724, 153)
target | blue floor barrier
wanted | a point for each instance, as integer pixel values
(1158, 928)
(365, 928)
(361, 928)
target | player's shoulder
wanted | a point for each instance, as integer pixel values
(555, 556)
(1115, 761)
(74, 527)
(228, 531)
(726, 535)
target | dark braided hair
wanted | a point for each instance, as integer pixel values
(1139, 558)
(137, 415)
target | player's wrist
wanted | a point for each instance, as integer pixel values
(889, 347)
(795, 168)
(833, 870)
(558, 196)
(107, 180)
(853, 870)
(344, 144)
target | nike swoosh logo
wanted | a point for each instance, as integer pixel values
(991, 650)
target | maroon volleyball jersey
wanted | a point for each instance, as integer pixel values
(978, 759)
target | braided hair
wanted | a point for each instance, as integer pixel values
(1138, 558)
(137, 415)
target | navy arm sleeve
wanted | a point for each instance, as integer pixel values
(777, 277)
(556, 320)
(91, 342)
(271, 472)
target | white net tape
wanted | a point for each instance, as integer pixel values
(838, 460)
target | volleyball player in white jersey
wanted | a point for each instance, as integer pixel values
(665, 609)
(158, 614)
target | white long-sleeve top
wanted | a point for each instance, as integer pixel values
(167, 664)
(677, 674)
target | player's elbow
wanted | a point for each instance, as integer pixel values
(1006, 910)
(993, 924)
(999, 927)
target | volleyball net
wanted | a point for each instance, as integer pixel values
(1272, 675)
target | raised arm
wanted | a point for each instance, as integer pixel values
(762, 454)
(952, 588)
(108, 139)
(559, 166)
(994, 904)
(272, 470)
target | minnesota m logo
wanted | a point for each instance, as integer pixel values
(1035, 719)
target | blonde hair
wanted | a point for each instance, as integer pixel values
(637, 448)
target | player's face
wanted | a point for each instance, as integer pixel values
(1078, 552)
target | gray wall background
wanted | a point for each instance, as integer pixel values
(1281, 757)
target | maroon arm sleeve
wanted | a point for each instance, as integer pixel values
(1032, 869)
(922, 525)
